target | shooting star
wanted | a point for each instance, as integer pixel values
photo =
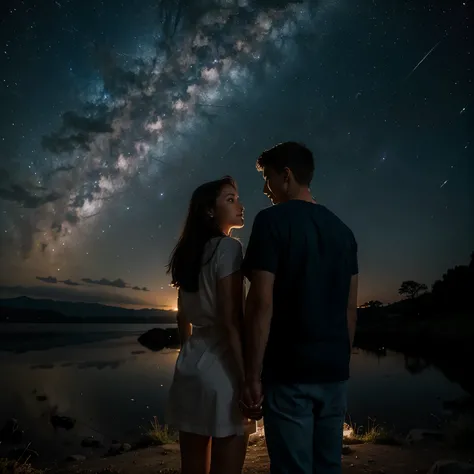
(423, 59)
(444, 184)
(228, 150)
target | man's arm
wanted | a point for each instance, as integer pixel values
(258, 316)
(352, 308)
(260, 265)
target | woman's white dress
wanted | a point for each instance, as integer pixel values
(203, 397)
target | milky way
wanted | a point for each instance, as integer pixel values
(113, 112)
(142, 112)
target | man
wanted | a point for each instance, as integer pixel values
(300, 317)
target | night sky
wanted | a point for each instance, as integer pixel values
(113, 112)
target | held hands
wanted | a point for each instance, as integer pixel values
(251, 399)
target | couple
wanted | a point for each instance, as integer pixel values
(288, 358)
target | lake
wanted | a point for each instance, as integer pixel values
(101, 376)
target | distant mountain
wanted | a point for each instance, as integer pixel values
(30, 309)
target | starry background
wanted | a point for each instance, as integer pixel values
(113, 112)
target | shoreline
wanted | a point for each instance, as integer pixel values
(376, 450)
(416, 456)
(373, 339)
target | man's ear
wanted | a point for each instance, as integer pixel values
(286, 174)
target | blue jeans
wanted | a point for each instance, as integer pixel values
(303, 427)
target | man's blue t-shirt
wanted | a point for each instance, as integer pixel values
(313, 256)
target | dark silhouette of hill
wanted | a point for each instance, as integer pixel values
(450, 295)
(24, 309)
(435, 327)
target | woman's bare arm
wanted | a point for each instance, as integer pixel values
(230, 307)
(185, 329)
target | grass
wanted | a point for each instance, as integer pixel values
(373, 433)
(157, 435)
(8, 466)
(107, 470)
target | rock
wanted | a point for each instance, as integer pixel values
(451, 467)
(22, 453)
(157, 339)
(460, 405)
(65, 422)
(91, 442)
(418, 435)
(76, 458)
(11, 433)
(114, 449)
(347, 449)
(119, 448)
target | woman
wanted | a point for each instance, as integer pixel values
(203, 398)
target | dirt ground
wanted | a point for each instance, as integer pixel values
(364, 458)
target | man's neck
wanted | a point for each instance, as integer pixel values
(303, 194)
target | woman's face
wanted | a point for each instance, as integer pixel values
(229, 211)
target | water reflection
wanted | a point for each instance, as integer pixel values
(22, 338)
(42, 366)
(124, 386)
(455, 368)
(415, 365)
(93, 364)
(114, 398)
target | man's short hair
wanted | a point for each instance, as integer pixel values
(295, 156)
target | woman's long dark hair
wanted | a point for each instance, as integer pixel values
(186, 259)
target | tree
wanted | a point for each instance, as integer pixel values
(372, 304)
(411, 289)
(454, 290)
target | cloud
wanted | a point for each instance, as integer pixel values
(60, 169)
(54, 280)
(48, 279)
(84, 131)
(4, 175)
(72, 120)
(277, 3)
(70, 283)
(21, 195)
(117, 283)
(71, 294)
(57, 144)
